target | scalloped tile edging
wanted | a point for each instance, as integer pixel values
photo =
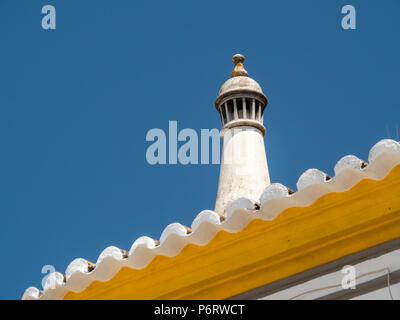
(276, 198)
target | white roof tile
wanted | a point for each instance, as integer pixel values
(311, 185)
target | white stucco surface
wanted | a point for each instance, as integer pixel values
(244, 170)
(332, 282)
(382, 294)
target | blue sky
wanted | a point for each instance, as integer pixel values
(76, 104)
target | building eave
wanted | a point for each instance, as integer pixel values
(218, 259)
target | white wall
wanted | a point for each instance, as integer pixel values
(330, 283)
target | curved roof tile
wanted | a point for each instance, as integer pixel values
(312, 184)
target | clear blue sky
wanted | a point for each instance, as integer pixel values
(76, 104)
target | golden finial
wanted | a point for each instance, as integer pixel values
(239, 70)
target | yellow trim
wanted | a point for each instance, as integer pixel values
(300, 238)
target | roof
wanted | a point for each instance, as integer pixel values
(285, 233)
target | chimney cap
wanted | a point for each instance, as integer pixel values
(240, 82)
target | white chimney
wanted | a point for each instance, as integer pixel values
(244, 170)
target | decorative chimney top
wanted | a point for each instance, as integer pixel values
(241, 100)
